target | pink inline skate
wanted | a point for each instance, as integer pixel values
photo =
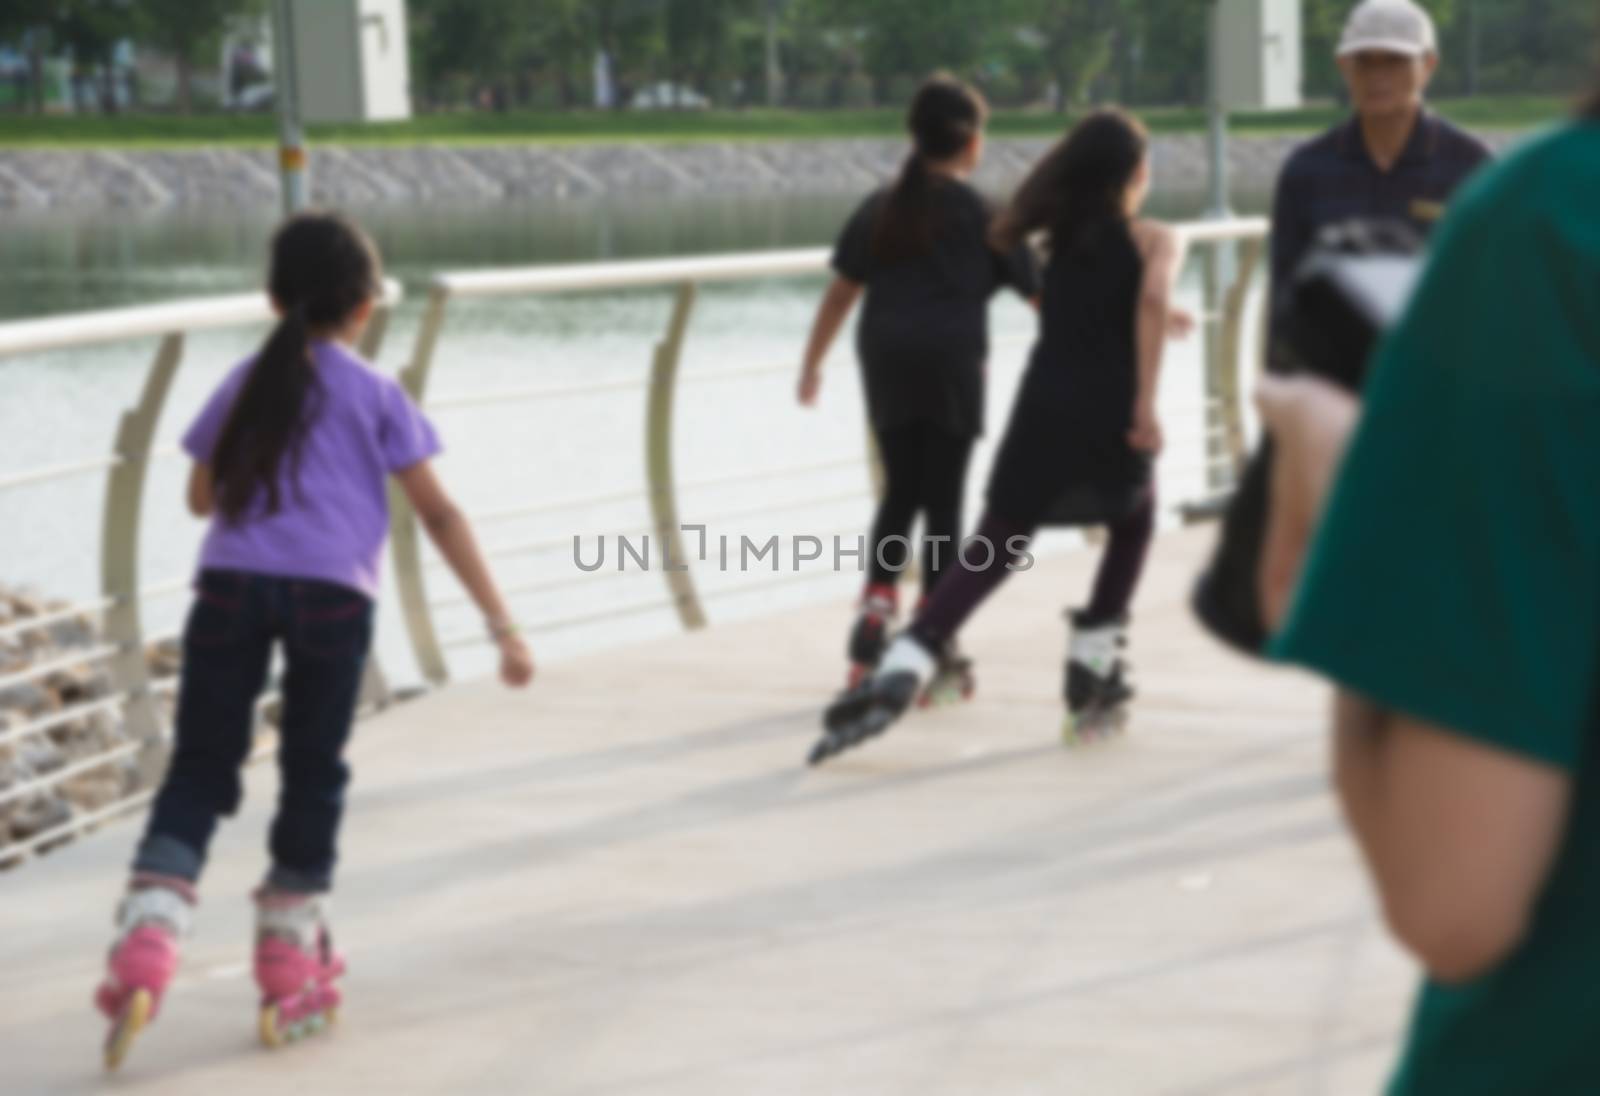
(151, 919)
(295, 967)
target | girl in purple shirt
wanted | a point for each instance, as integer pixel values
(293, 455)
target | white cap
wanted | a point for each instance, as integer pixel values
(1389, 26)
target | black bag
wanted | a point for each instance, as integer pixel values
(1344, 298)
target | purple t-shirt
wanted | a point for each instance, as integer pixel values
(334, 516)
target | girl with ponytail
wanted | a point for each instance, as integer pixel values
(293, 455)
(919, 251)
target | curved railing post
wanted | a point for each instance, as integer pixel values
(377, 327)
(658, 461)
(405, 535)
(1213, 274)
(119, 559)
(1230, 383)
(375, 691)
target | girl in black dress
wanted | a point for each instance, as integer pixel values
(1083, 435)
(920, 251)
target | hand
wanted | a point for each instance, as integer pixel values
(1146, 435)
(1311, 422)
(1180, 323)
(516, 661)
(810, 387)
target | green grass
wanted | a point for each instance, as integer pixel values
(170, 131)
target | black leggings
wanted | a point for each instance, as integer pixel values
(980, 574)
(925, 469)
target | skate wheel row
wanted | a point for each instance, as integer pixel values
(1093, 727)
(130, 1022)
(275, 1033)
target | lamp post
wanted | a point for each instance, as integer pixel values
(291, 135)
(1220, 207)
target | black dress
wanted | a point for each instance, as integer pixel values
(1065, 458)
(924, 331)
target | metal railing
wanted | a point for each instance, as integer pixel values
(121, 640)
(1242, 239)
(121, 644)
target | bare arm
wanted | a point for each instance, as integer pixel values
(448, 528)
(202, 499)
(1460, 837)
(835, 308)
(1163, 258)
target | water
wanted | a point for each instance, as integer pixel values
(64, 406)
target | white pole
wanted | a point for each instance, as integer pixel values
(1221, 207)
(291, 136)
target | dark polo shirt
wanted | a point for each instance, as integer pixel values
(1333, 179)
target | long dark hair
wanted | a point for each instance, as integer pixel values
(323, 270)
(1079, 187)
(945, 116)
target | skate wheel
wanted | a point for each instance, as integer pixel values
(132, 1020)
(1078, 731)
(272, 1036)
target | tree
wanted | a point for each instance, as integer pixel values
(904, 40)
(187, 29)
(29, 20)
(91, 29)
(1076, 39)
(455, 40)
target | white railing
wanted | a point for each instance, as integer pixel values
(121, 643)
(118, 604)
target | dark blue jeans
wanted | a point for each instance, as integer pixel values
(325, 632)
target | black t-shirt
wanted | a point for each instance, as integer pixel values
(924, 331)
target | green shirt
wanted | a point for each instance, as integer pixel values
(1457, 577)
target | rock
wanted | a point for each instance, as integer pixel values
(81, 684)
(92, 790)
(37, 643)
(76, 631)
(30, 698)
(25, 606)
(164, 658)
(41, 756)
(38, 814)
(87, 737)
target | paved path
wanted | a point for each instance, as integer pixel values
(624, 882)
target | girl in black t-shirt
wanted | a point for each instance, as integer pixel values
(1083, 434)
(920, 252)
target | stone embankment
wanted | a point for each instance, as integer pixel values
(362, 176)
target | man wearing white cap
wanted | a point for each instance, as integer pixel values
(1394, 159)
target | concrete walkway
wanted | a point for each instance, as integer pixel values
(624, 882)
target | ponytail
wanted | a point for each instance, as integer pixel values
(904, 227)
(946, 116)
(323, 270)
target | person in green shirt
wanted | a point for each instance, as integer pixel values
(1451, 590)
